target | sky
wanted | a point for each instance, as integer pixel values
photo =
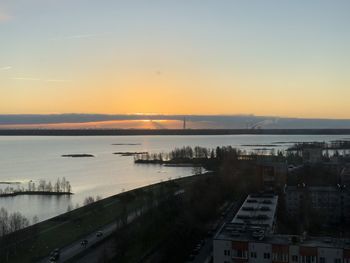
(276, 58)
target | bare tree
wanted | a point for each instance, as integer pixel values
(42, 184)
(4, 222)
(58, 185)
(89, 200)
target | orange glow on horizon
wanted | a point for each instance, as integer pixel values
(122, 124)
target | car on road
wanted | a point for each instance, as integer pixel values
(99, 234)
(55, 255)
(84, 243)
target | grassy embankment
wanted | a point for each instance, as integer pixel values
(35, 242)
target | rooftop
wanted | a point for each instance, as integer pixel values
(257, 210)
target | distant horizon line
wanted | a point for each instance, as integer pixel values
(170, 132)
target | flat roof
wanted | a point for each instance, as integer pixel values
(257, 210)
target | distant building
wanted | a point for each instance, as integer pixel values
(332, 203)
(312, 154)
(272, 175)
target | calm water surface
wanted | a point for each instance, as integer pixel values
(34, 158)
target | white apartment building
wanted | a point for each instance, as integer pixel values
(249, 237)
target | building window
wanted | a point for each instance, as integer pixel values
(322, 260)
(308, 259)
(337, 260)
(240, 254)
(266, 255)
(295, 258)
(227, 252)
(253, 255)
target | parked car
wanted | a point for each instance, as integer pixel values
(99, 234)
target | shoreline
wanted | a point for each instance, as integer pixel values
(35, 193)
(168, 132)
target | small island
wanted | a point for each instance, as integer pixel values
(79, 155)
(179, 157)
(259, 145)
(129, 153)
(15, 193)
(128, 144)
(61, 187)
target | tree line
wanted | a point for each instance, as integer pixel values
(210, 158)
(190, 153)
(60, 186)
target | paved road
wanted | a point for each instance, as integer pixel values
(103, 252)
(76, 248)
(206, 251)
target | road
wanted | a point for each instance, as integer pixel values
(76, 248)
(205, 253)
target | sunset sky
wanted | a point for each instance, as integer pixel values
(279, 58)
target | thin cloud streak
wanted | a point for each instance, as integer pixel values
(79, 36)
(5, 17)
(5, 68)
(57, 80)
(39, 79)
(25, 78)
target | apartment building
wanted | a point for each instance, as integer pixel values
(330, 202)
(250, 237)
(236, 245)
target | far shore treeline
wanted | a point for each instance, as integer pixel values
(200, 155)
(210, 158)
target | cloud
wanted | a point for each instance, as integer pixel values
(26, 78)
(4, 17)
(74, 37)
(5, 68)
(39, 79)
(79, 36)
(57, 80)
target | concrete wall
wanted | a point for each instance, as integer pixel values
(260, 249)
(293, 251)
(219, 247)
(330, 254)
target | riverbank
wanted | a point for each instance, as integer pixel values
(35, 242)
(35, 193)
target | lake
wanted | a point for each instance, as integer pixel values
(33, 158)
